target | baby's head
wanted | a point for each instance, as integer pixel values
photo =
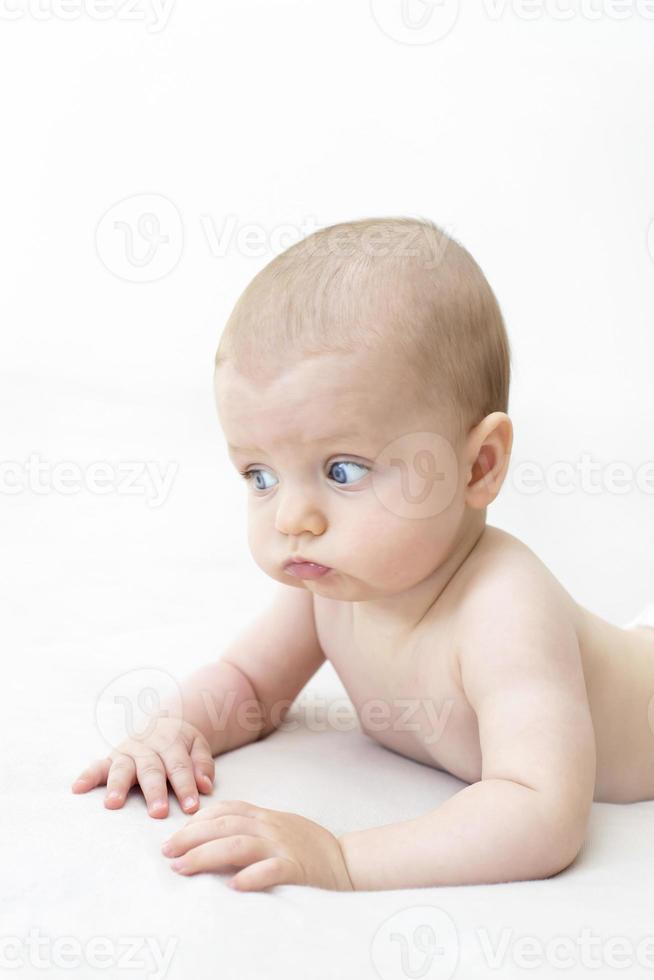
(362, 384)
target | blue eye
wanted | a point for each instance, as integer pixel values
(341, 464)
(249, 474)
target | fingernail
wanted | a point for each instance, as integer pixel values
(167, 848)
(157, 805)
(113, 795)
(178, 865)
(189, 802)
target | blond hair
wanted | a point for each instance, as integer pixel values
(396, 284)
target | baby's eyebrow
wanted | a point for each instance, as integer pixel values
(329, 438)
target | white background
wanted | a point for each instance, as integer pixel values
(527, 137)
(530, 139)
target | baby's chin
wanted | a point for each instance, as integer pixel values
(344, 587)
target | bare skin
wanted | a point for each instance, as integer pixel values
(399, 615)
(457, 646)
(618, 667)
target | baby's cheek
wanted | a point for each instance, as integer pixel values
(407, 549)
(258, 534)
(389, 551)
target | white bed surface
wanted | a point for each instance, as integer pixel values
(71, 868)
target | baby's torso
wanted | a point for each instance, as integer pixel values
(411, 702)
(411, 699)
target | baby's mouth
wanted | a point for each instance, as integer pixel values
(305, 569)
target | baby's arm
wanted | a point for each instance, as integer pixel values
(527, 817)
(224, 705)
(272, 659)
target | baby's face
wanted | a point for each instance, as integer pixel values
(347, 470)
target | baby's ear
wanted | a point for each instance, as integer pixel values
(488, 453)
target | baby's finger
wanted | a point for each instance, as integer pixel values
(180, 773)
(122, 776)
(203, 765)
(201, 831)
(94, 775)
(223, 852)
(151, 776)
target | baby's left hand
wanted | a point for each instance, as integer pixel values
(272, 846)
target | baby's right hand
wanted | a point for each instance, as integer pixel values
(176, 749)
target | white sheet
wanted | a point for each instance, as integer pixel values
(71, 868)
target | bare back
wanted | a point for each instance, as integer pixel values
(412, 701)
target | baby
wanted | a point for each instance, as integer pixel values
(362, 385)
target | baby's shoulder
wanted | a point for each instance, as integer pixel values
(504, 581)
(499, 558)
